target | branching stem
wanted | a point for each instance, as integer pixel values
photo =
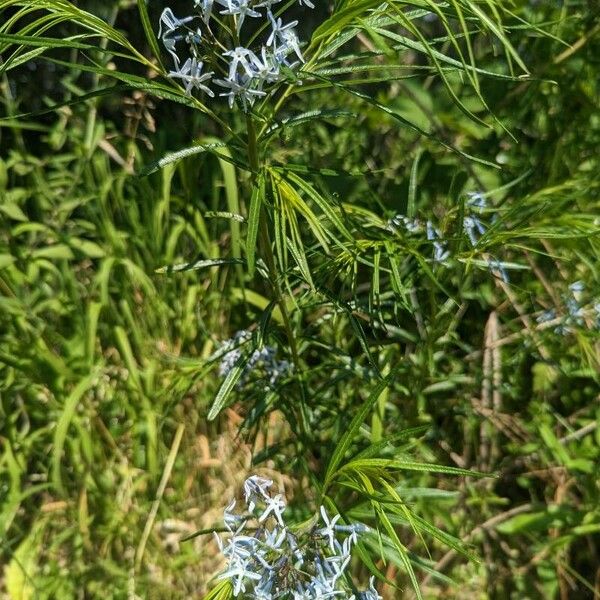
(266, 251)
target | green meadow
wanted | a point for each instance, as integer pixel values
(359, 260)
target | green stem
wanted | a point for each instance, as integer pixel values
(252, 149)
(266, 251)
(289, 90)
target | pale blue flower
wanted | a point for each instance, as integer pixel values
(240, 8)
(546, 316)
(246, 94)
(472, 225)
(240, 57)
(440, 252)
(274, 506)
(238, 573)
(497, 267)
(411, 225)
(206, 7)
(575, 312)
(283, 38)
(169, 38)
(171, 22)
(476, 199)
(256, 487)
(264, 69)
(577, 287)
(193, 78)
(328, 530)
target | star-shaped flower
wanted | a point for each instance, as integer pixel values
(283, 38)
(238, 573)
(241, 8)
(254, 485)
(276, 506)
(169, 38)
(171, 22)
(264, 69)
(191, 74)
(328, 531)
(239, 58)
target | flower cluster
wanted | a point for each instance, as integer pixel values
(578, 314)
(414, 226)
(440, 251)
(267, 560)
(401, 221)
(262, 362)
(473, 226)
(244, 72)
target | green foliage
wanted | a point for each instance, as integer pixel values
(431, 394)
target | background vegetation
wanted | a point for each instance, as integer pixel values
(111, 318)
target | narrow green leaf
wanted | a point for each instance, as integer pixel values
(62, 426)
(56, 252)
(223, 214)
(306, 117)
(407, 465)
(411, 208)
(263, 324)
(299, 256)
(351, 432)
(227, 387)
(14, 211)
(258, 194)
(148, 30)
(179, 155)
(126, 352)
(402, 551)
(322, 203)
(93, 314)
(199, 264)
